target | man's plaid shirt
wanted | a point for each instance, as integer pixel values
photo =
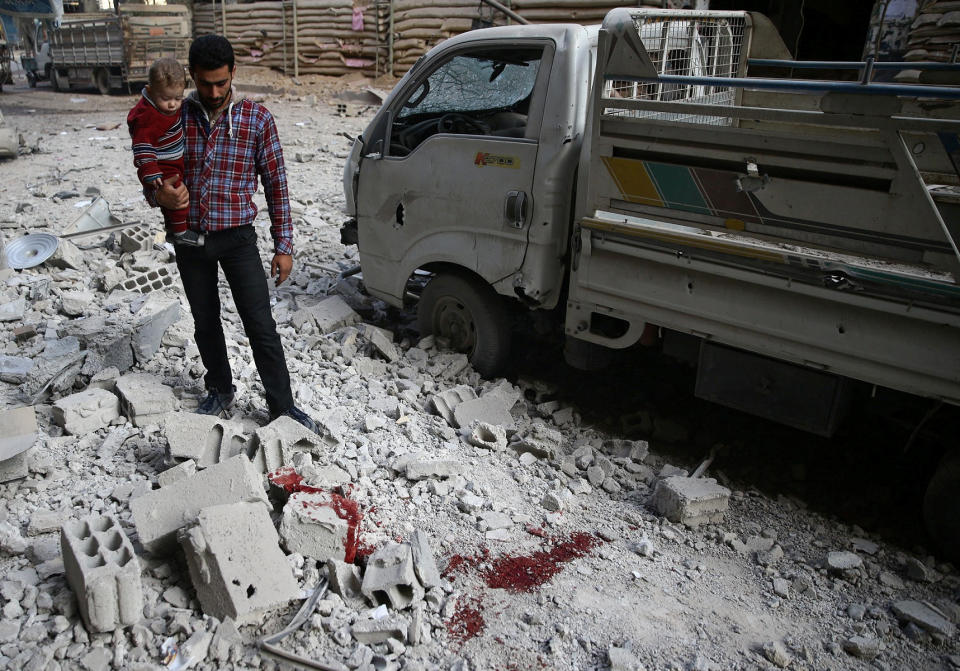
(221, 165)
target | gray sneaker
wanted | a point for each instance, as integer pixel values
(216, 403)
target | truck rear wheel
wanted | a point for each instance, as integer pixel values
(101, 80)
(471, 315)
(59, 81)
(940, 512)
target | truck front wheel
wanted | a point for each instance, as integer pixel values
(101, 80)
(940, 512)
(471, 316)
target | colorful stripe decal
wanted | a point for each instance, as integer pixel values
(677, 187)
(633, 181)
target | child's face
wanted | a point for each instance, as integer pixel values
(167, 98)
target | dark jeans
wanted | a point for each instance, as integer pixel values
(235, 250)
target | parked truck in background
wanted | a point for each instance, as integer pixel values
(6, 76)
(114, 50)
(631, 178)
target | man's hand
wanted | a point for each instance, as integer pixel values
(172, 197)
(280, 267)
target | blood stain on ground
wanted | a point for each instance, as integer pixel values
(526, 573)
(467, 619)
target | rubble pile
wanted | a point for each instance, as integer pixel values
(457, 522)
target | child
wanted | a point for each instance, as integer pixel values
(157, 133)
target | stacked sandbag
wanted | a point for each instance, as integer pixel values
(934, 32)
(334, 37)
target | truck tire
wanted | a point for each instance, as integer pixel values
(471, 315)
(940, 506)
(59, 81)
(31, 79)
(101, 80)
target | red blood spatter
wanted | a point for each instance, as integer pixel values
(526, 573)
(460, 563)
(467, 619)
(346, 508)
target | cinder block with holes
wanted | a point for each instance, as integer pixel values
(236, 564)
(103, 572)
(206, 439)
(152, 280)
(390, 578)
(138, 238)
(274, 445)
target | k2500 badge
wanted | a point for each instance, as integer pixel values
(484, 158)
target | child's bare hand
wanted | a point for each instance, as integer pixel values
(173, 197)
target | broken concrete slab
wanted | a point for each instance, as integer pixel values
(424, 564)
(541, 441)
(14, 369)
(103, 572)
(160, 513)
(925, 616)
(235, 562)
(382, 341)
(177, 473)
(328, 315)
(434, 468)
(150, 321)
(312, 527)
(86, 411)
(691, 501)
(205, 439)
(843, 561)
(18, 431)
(490, 408)
(390, 577)
(446, 401)
(144, 398)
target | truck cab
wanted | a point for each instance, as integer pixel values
(470, 163)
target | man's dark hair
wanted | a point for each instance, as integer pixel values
(211, 52)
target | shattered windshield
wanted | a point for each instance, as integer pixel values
(477, 82)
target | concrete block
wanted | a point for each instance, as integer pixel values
(487, 436)
(925, 616)
(103, 572)
(18, 431)
(691, 501)
(424, 565)
(617, 448)
(139, 238)
(311, 526)
(345, 581)
(181, 471)
(160, 513)
(86, 411)
(107, 340)
(436, 468)
(235, 563)
(152, 280)
(205, 439)
(47, 521)
(13, 311)
(144, 398)
(446, 401)
(390, 577)
(369, 632)
(275, 445)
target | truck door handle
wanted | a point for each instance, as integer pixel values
(515, 208)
